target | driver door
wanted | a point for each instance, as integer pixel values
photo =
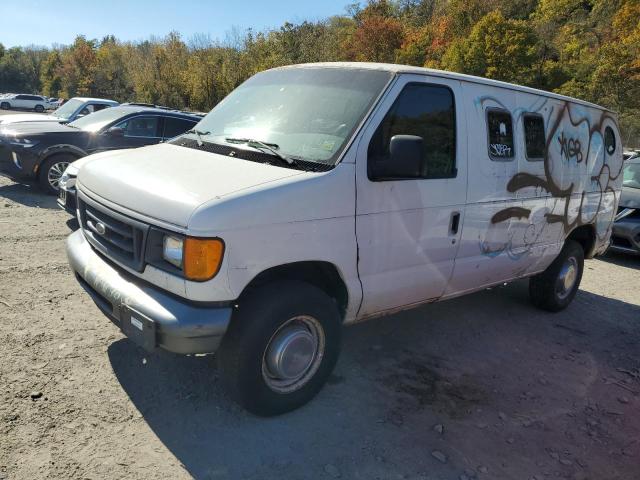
(133, 132)
(408, 230)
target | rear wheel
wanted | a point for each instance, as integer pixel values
(554, 289)
(281, 346)
(51, 171)
(5, 106)
(39, 108)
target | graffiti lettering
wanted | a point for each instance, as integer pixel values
(570, 148)
(500, 150)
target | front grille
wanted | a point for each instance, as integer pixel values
(114, 235)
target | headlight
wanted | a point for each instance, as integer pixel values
(198, 258)
(172, 250)
(23, 142)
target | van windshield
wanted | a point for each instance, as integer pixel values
(307, 113)
(68, 109)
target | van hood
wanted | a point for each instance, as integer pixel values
(29, 117)
(169, 182)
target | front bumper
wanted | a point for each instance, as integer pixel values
(18, 163)
(625, 236)
(147, 315)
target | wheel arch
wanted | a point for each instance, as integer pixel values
(59, 150)
(585, 235)
(321, 274)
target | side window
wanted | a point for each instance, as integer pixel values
(22, 97)
(500, 129)
(534, 137)
(140, 127)
(426, 111)
(86, 110)
(99, 106)
(609, 140)
(176, 126)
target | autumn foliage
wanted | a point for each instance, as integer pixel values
(584, 48)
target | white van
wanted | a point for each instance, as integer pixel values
(320, 195)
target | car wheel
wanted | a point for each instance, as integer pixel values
(280, 348)
(51, 171)
(39, 108)
(5, 106)
(554, 289)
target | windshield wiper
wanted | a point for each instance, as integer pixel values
(198, 134)
(257, 144)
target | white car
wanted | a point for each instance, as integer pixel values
(322, 195)
(25, 102)
(71, 110)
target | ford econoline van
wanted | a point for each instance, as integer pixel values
(316, 196)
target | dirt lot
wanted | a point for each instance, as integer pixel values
(481, 387)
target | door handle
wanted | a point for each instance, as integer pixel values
(454, 223)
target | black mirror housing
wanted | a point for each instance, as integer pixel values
(406, 159)
(116, 132)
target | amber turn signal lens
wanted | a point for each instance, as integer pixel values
(202, 258)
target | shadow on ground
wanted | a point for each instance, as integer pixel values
(397, 377)
(621, 259)
(28, 194)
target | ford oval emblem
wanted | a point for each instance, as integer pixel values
(100, 228)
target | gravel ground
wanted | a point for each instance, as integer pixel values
(482, 387)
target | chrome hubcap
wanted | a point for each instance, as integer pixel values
(293, 354)
(567, 278)
(55, 173)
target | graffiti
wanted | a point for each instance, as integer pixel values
(570, 148)
(500, 150)
(512, 212)
(579, 175)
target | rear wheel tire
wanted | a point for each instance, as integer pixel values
(51, 171)
(39, 108)
(5, 106)
(554, 289)
(281, 346)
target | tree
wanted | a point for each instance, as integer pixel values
(496, 48)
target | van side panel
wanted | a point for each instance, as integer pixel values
(520, 211)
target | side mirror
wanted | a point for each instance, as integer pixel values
(116, 132)
(406, 159)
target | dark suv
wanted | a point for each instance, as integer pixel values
(42, 151)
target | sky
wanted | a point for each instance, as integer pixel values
(47, 22)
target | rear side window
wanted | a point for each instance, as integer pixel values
(500, 129)
(100, 106)
(534, 137)
(176, 126)
(609, 140)
(140, 127)
(427, 111)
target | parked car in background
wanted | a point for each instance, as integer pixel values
(626, 228)
(54, 103)
(320, 195)
(25, 102)
(73, 109)
(43, 150)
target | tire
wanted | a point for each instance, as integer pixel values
(39, 108)
(5, 106)
(51, 170)
(548, 290)
(264, 319)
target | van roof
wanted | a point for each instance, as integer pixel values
(397, 69)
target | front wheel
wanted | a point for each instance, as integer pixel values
(39, 108)
(51, 171)
(554, 289)
(281, 346)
